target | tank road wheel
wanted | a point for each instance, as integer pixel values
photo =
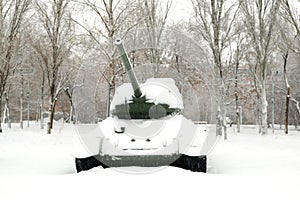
(192, 163)
(84, 164)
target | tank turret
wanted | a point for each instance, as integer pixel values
(139, 105)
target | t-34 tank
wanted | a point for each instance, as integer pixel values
(146, 128)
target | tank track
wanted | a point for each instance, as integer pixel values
(192, 163)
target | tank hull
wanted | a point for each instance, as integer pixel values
(192, 163)
(179, 143)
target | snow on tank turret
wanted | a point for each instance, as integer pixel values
(146, 128)
(157, 99)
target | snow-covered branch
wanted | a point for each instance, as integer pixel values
(229, 102)
(297, 104)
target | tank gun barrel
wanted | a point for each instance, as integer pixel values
(128, 68)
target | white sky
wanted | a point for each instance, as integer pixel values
(181, 9)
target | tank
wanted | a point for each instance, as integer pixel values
(146, 128)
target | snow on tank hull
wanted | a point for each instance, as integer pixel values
(171, 141)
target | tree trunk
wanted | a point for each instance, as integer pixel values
(109, 96)
(237, 116)
(264, 111)
(225, 124)
(219, 111)
(28, 104)
(49, 124)
(51, 116)
(224, 113)
(41, 117)
(21, 101)
(285, 59)
(219, 121)
(71, 119)
(108, 102)
(7, 113)
(69, 94)
(0, 113)
(42, 101)
(286, 130)
(259, 108)
(296, 122)
(273, 106)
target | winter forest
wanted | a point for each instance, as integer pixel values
(251, 49)
(234, 66)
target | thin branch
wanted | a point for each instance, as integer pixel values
(297, 104)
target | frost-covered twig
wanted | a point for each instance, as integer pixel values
(296, 103)
(229, 102)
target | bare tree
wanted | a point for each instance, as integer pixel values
(39, 59)
(290, 42)
(112, 17)
(214, 22)
(154, 19)
(11, 15)
(260, 20)
(238, 45)
(57, 25)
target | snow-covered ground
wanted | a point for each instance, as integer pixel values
(35, 165)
